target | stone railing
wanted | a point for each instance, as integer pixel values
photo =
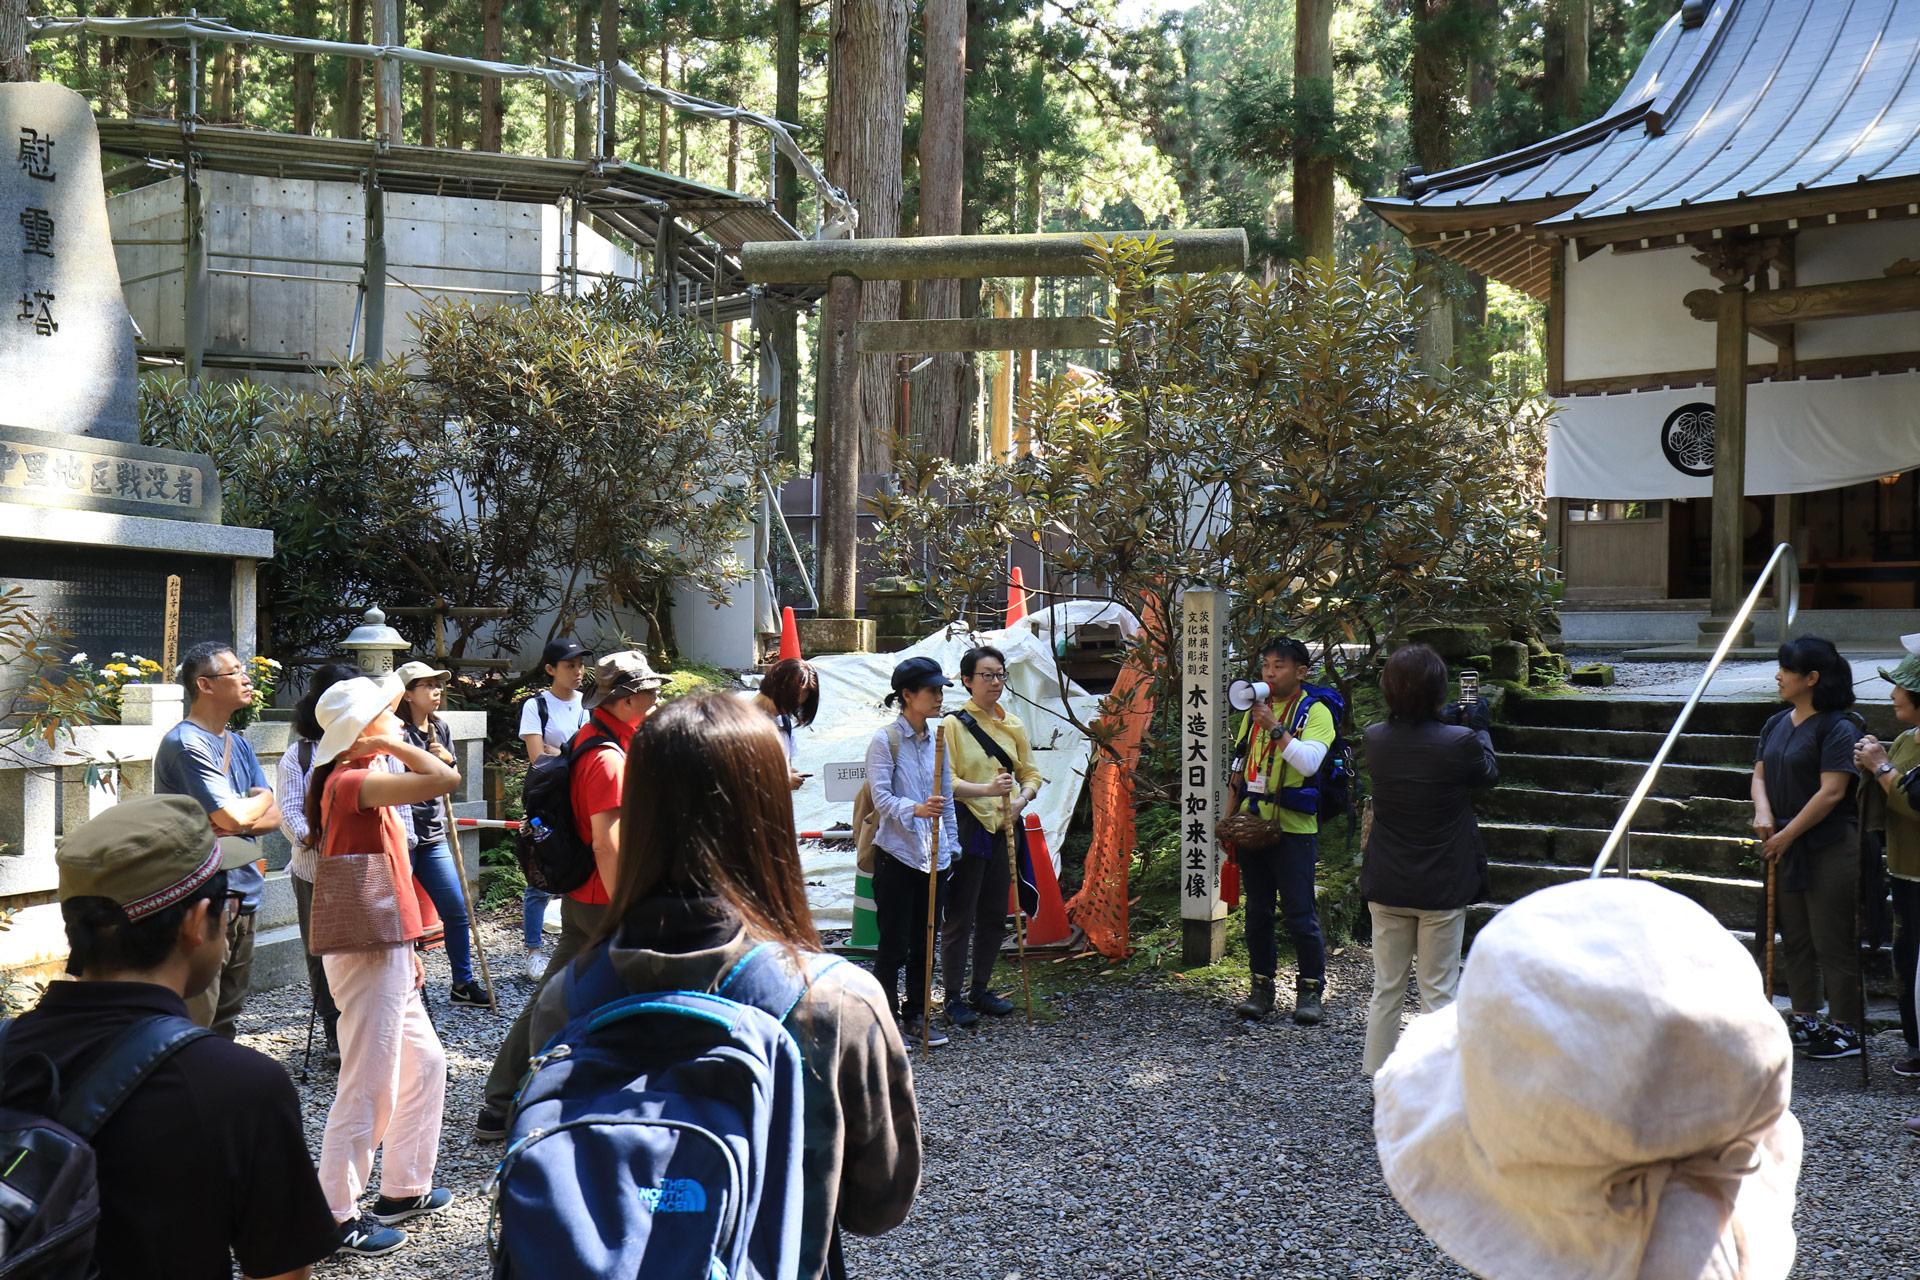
(44, 794)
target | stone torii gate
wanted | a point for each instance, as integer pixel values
(844, 265)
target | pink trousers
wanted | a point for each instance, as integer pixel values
(393, 1081)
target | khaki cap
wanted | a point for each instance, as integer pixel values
(619, 674)
(145, 854)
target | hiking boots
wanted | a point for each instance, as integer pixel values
(1260, 1002)
(1306, 1001)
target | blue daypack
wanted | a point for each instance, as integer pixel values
(659, 1134)
(1329, 793)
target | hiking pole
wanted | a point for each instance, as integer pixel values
(1019, 907)
(1860, 967)
(473, 906)
(306, 1059)
(1772, 927)
(933, 896)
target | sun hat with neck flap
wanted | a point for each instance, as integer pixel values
(345, 710)
(1606, 1098)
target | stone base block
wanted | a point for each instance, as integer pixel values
(278, 958)
(836, 635)
(1712, 629)
(1202, 942)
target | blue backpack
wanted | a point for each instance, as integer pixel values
(659, 1134)
(1329, 793)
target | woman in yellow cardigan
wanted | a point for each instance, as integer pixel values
(995, 779)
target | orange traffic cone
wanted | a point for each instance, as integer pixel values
(1048, 928)
(789, 635)
(1016, 598)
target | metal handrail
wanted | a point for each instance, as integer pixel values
(1787, 594)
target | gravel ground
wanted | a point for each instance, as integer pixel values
(1141, 1129)
(1735, 681)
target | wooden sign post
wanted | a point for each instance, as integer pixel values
(170, 645)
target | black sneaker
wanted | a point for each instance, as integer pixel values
(366, 1238)
(489, 1125)
(959, 1014)
(470, 994)
(1833, 1041)
(387, 1211)
(990, 1002)
(1800, 1029)
(1907, 1066)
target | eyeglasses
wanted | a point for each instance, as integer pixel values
(991, 677)
(222, 675)
(232, 900)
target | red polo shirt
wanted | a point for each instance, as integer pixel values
(596, 787)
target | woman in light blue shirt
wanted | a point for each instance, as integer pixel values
(916, 832)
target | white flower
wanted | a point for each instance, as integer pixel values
(78, 658)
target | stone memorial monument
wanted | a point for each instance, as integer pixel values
(66, 340)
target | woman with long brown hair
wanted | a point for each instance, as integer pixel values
(710, 870)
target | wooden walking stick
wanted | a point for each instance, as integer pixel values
(933, 893)
(1772, 928)
(1019, 907)
(473, 906)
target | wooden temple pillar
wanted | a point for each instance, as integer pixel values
(1729, 462)
(1733, 263)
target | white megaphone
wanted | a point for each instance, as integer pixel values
(1242, 694)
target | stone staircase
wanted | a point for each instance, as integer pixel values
(1567, 764)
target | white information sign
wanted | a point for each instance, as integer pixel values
(1204, 764)
(843, 781)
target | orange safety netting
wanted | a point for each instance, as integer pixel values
(1100, 908)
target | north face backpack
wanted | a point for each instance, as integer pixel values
(49, 1193)
(659, 1134)
(548, 846)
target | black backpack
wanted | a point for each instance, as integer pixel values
(552, 856)
(49, 1189)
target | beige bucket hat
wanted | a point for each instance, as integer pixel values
(345, 710)
(1607, 1098)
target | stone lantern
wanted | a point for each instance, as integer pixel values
(373, 643)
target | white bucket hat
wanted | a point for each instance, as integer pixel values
(1607, 1098)
(345, 710)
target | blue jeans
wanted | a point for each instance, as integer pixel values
(433, 868)
(1283, 870)
(533, 916)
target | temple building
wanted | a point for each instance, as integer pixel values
(1730, 259)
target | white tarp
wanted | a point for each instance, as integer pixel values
(1802, 436)
(851, 688)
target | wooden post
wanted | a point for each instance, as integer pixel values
(1729, 455)
(1002, 421)
(195, 282)
(387, 109)
(942, 159)
(170, 637)
(840, 486)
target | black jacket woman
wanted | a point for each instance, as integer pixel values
(1806, 816)
(1424, 860)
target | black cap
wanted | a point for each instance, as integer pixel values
(918, 673)
(561, 651)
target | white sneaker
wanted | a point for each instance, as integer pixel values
(537, 963)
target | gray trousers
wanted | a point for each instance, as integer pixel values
(218, 1007)
(578, 923)
(316, 971)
